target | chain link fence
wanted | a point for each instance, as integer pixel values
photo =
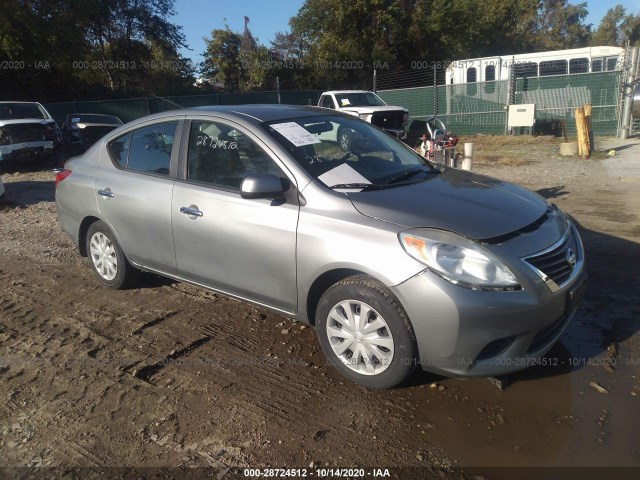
(130, 109)
(482, 107)
(466, 109)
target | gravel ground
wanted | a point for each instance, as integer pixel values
(167, 375)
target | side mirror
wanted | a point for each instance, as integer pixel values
(261, 186)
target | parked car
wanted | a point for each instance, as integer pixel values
(397, 262)
(27, 131)
(369, 107)
(81, 130)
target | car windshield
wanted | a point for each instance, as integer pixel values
(17, 111)
(359, 99)
(349, 154)
(83, 118)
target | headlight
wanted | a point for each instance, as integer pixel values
(365, 116)
(458, 260)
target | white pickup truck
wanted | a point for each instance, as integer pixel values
(369, 107)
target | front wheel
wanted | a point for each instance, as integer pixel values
(107, 258)
(344, 139)
(365, 334)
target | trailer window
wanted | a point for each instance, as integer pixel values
(612, 62)
(472, 75)
(579, 65)
(529, 69)
(553, 67)
(596, 65)
(489, 73)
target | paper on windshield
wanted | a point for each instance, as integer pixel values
(295, 134)
(75, 119)
(342, 174)
(345, 102)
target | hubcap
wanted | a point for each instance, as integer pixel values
(344, 141)
(360, 337)
(103, 256)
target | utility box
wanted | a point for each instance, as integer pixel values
(522, 117)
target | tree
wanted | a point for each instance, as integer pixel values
(97, 48)
(560, 25)
(616, 27)
(221, 58)
(238, 62)
(120, 31)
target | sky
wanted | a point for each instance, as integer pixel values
(266, 17)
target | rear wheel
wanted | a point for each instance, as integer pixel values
(365, 333)
(107, 258)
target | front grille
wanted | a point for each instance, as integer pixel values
(388, 119)
(557, 263)
(27, 133)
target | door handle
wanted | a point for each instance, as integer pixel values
(191, 211)
(106, 192)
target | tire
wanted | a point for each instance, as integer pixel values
(386, 356)
(345, 139)
(107, 258)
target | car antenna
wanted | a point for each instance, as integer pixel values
(166, 100)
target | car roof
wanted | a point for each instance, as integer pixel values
(11, 101)
(253, 113)
(73, 115)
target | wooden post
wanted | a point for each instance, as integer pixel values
(583, 136)
(587, 116)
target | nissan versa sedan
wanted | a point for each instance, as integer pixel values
(395, 261)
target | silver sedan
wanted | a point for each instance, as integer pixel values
(396, 262)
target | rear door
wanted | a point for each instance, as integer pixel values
(239, 246)
(134, 188)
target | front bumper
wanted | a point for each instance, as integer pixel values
(400, 134)
(463, 333)
(468, 333)
(26, 150)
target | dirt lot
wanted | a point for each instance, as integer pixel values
(167, 375)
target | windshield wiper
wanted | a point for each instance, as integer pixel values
(355, 185)
(405, 175)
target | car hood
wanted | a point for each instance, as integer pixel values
(472, 205)
(367, 110)
(26, 121)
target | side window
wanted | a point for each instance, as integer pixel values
(222, 156)
(596, 65)
(471, 74)
(150, 149)
(327, 102)
(489, 73)
(612, 62)
(472, 77)
(119, 149)
(147, 149)
(553, 67)
(579, 65)
(489, 78)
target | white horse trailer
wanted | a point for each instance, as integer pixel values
(540, 64)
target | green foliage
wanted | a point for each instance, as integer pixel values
(99, 48)
(398, 33)
(616, 28)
